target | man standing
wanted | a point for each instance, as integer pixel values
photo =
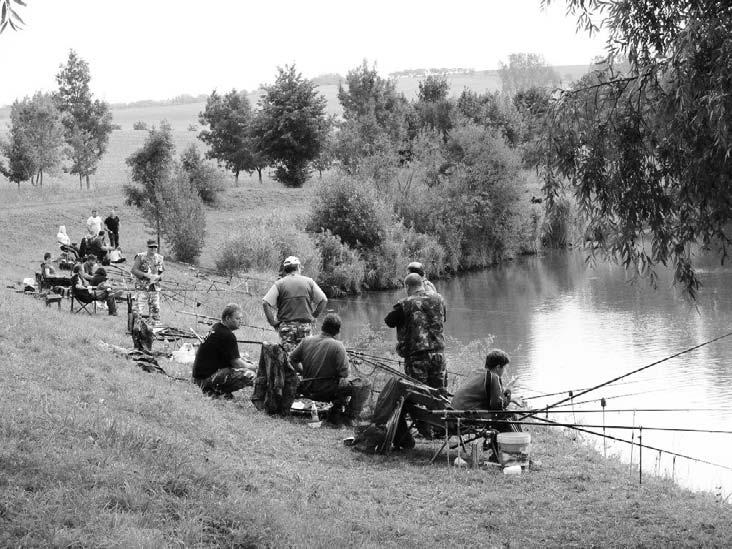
(325, 371)
(297, 301)
(418, 319)
(148, 270)
(218, 368)
(112, 224)
(94, 224)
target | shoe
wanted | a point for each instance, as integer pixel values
(227, 396)
(114, 314)
(348, 422)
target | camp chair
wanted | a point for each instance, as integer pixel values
(83, 304)
(466, 427)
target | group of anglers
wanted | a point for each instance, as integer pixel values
(317, 366)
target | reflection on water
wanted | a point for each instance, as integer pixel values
(569, 326)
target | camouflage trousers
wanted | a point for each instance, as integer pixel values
(427, 367)
(292, 333)
(152, 298)
(224, 381)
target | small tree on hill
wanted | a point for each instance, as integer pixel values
(204, 178)
(36, 139)
(527, 70)
(183, 219)
(87, 121)
(291, 125)
(229, 136)
(151, 167)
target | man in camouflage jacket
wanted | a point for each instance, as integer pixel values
(418, 319)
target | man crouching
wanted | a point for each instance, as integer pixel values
(218, 368)
(325, 371)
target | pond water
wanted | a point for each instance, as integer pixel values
(570, 326)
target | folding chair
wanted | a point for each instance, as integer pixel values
(83, 305)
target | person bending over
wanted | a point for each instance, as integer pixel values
(85, 293)
(325, 372)
(218, 368)
(418, 319)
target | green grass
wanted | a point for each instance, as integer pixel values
(95, 452)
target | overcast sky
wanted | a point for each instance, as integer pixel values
(157, 49)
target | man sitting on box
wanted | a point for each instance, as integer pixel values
(323, 363)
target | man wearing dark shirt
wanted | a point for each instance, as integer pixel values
(218, 368)
(325, 369)
(112, 224)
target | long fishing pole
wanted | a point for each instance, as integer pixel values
(632, 443)
(695, 347)
(214, 319)
(389, 359)
(619, 427)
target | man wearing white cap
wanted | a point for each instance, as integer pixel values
(297, 301)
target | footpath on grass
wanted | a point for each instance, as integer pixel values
(94, 451)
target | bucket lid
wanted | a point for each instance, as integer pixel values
(514, 438)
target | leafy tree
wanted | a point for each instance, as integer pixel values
(204, 178)
(183, 219)
(526, 70)
(8, 15)
(87, 121)
(151, 167)
(20, 165)
(433, 107)
(646, 151)
(291, 125)
(375, 129)
(229, 136)
(36, 139)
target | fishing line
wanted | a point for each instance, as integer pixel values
(642, 368)
(620, 427)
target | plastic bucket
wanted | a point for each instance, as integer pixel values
(514, 448)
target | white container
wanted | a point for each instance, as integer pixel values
(514, 448)
(512, 470)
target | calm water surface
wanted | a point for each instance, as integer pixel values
(570, 326)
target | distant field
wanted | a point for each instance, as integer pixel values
(113, 171)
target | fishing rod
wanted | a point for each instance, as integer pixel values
(605, 398)
(633, 443)
(695, 347)
(543, 395)
(389, 359)
(214, 319)
(615, 410)
(620, 427)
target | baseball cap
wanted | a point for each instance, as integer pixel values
(152, 242)
(292, 260)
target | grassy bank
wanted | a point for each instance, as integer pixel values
(95, 452)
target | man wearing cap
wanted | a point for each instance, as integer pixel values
(418, 319)
(416, 267)
(148, 270)
(297, 301)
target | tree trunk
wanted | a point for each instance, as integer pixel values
(157, 228)
(259, 171)
(81, 183)
(87, 182)
(41, 176)
(236, 178)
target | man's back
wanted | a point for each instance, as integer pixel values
(422, 323)
(295, 297)
(321, 356)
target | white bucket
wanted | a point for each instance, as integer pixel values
(514, 448)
